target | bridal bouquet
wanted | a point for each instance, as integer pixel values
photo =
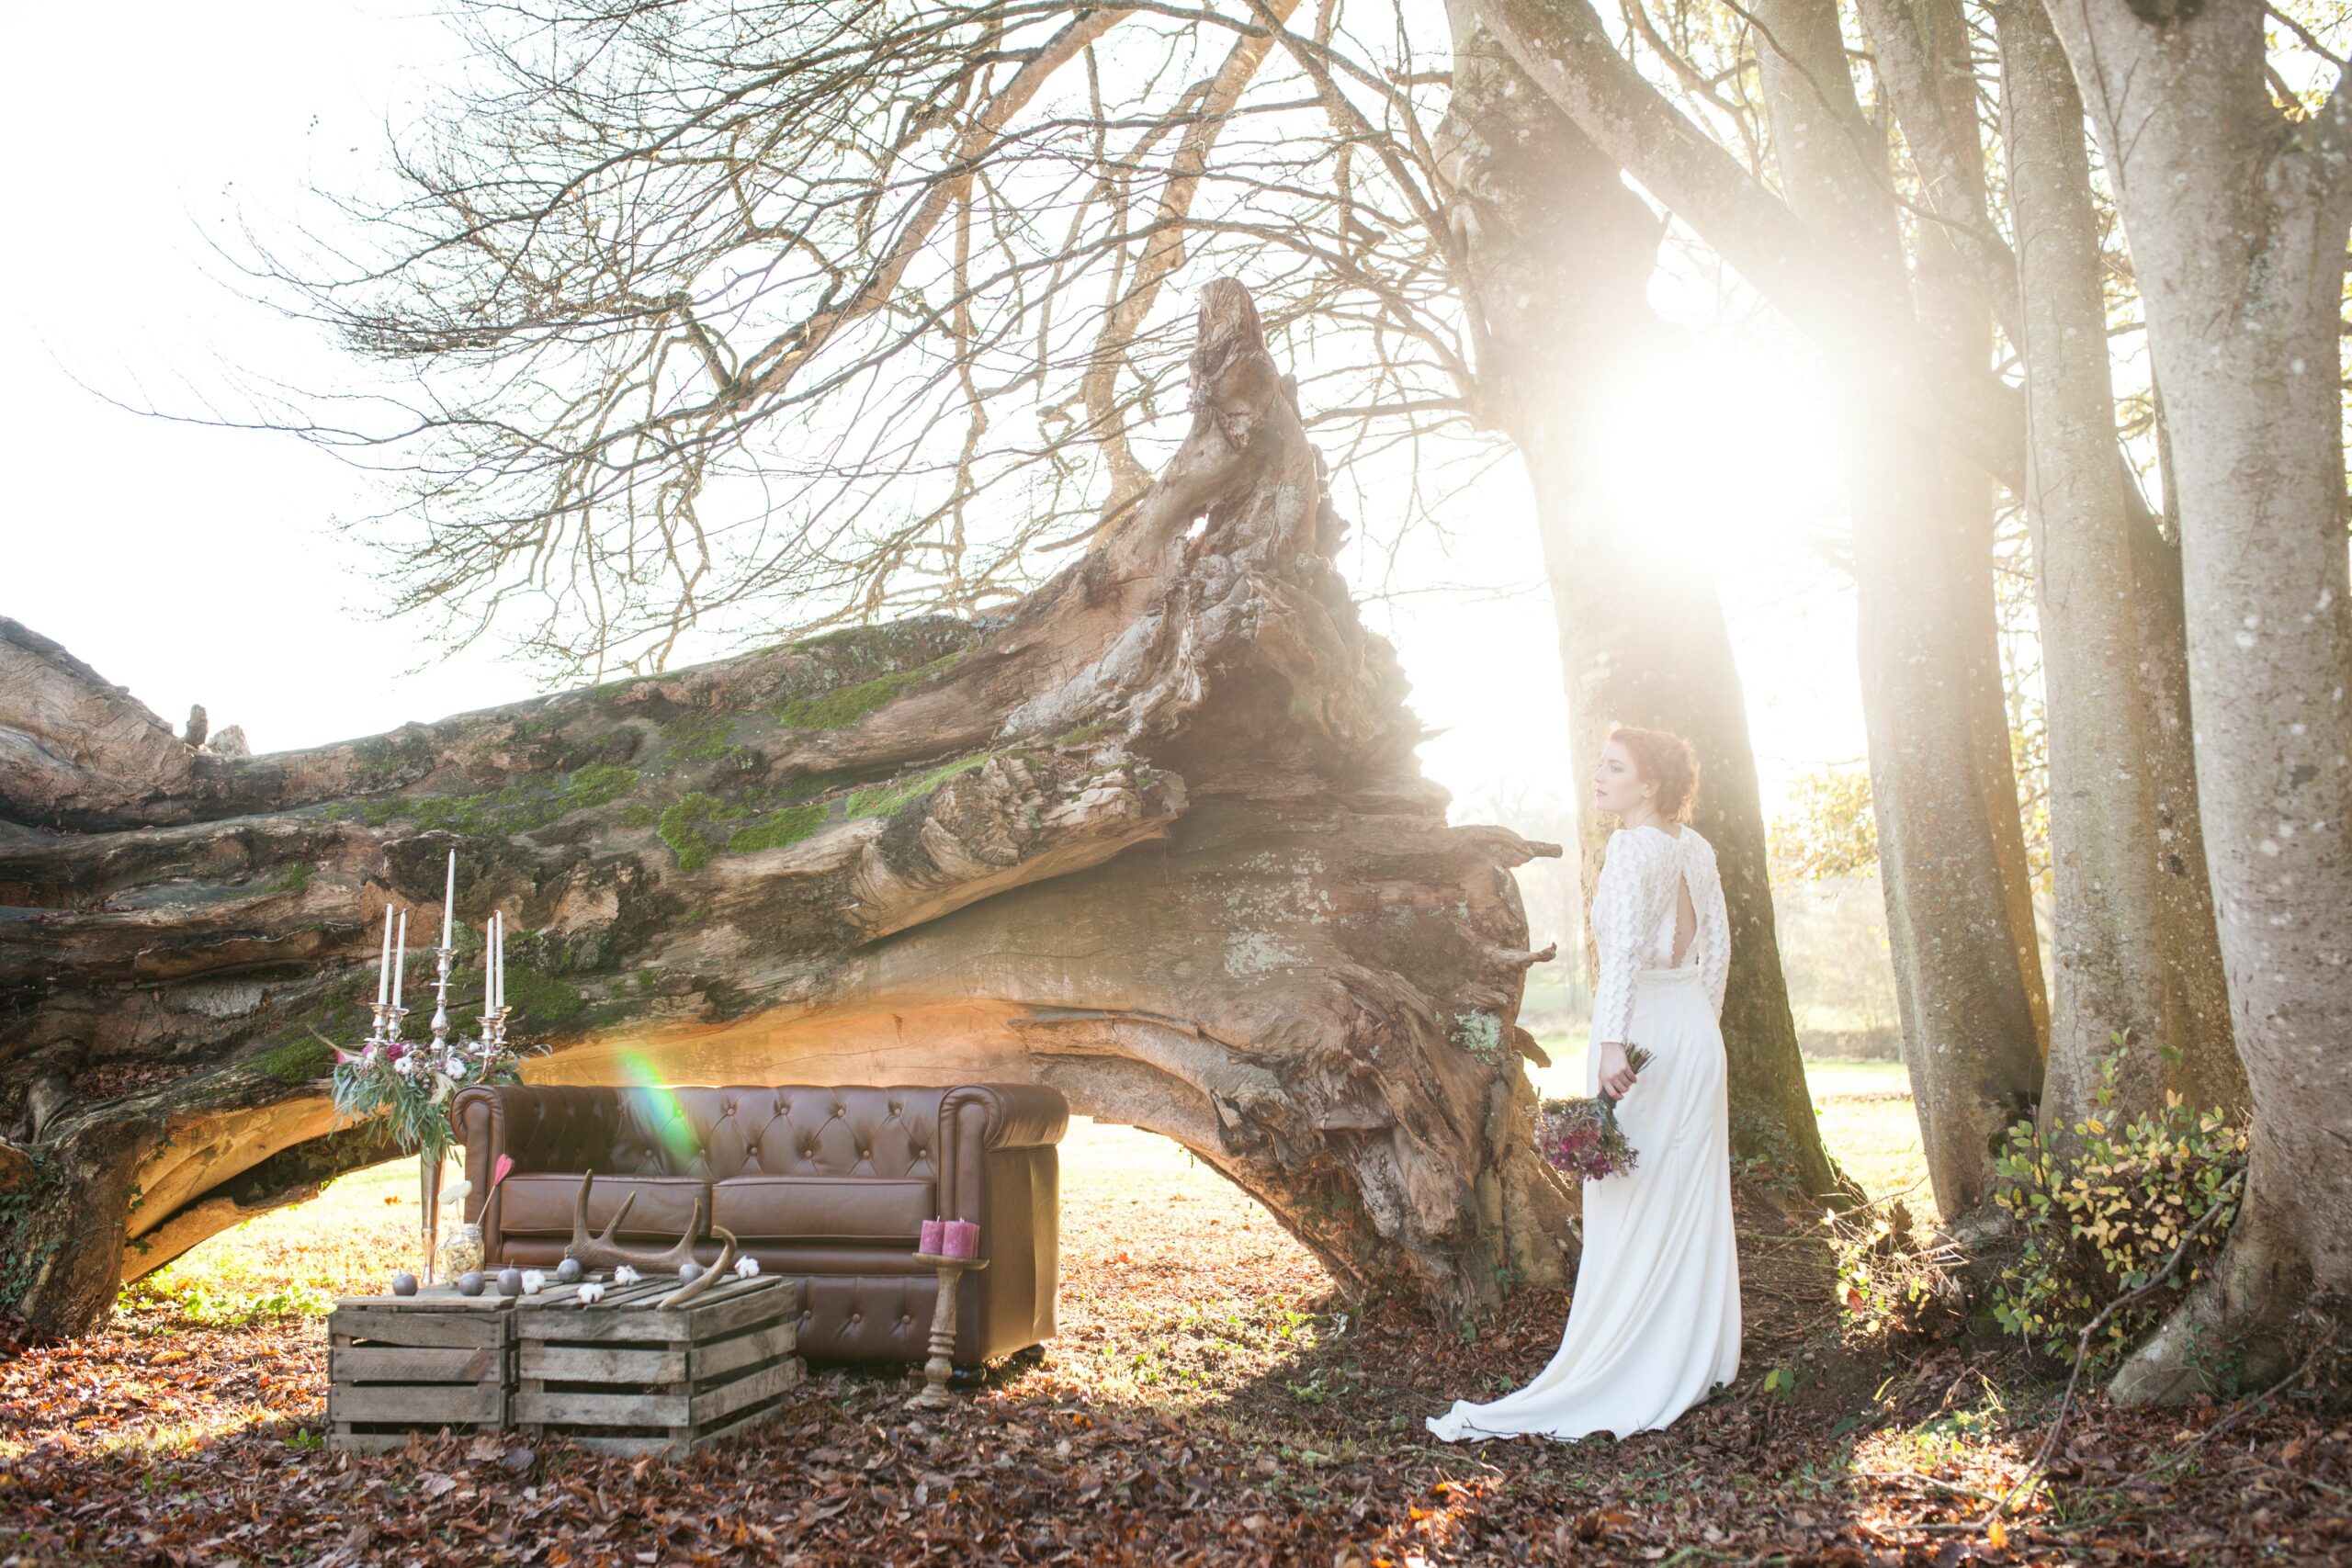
(1580, 1136)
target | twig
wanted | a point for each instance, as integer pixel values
(2083, 1348)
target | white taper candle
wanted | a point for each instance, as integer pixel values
(449, 900)
(400, 959)
(384, 963)
(498, 958)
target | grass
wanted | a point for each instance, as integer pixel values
(290, 1262)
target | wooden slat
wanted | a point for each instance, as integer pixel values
(541, 1407)
(553, 1315)
(604, 1363)
(421, 1404)
(729, 1397)
(432, 1298)
(743, 1350)
(789, 1377)
(405, 1364)
(421, 1329)
(750, 1300)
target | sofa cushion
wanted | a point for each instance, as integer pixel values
(824, 1208)
(539, 1203)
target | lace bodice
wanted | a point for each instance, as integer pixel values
(1633, 920)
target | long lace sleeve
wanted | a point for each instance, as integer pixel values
(1713, 935)
(1617, 936)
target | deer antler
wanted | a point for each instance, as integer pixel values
(600, 1251)
(708, 1277)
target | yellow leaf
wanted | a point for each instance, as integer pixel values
(1996, 1535)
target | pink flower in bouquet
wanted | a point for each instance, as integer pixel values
(1580, 1137)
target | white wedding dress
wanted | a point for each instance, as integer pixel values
(1653, 1325)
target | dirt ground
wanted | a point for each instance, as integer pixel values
(1208, 1401)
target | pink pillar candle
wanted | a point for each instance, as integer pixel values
(930, 1243)
(962, 1239)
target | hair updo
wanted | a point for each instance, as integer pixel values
(1665, 759)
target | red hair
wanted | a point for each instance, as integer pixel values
(1665, 759)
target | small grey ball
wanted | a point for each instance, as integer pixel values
(403, 1283)
(568, 1271)
(509, 1282)
(470, 1283)
(689, 1272)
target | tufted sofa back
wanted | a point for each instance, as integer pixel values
(719, 1134)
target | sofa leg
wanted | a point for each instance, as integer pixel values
(963, 1380)
(1027, 1356)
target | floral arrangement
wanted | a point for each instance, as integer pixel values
(1580, 1136)
(411, 1084)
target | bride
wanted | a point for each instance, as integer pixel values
(1653, 1325)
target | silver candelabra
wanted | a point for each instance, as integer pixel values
(451, 1061)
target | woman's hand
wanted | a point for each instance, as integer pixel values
(1616, 1073)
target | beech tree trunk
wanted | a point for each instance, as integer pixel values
(1157, 838)
(2135, 957)
(2237, 219)
(1951, 848)
(1559, 253)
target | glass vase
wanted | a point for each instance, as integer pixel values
(461, 1250)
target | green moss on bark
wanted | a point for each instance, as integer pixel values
(517, 808)
(883, 799)
(681, 826)
(778, 829)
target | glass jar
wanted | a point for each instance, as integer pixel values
(460, 1251)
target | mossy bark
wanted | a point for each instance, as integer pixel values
(1157, 837)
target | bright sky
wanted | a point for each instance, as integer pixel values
(193, 564)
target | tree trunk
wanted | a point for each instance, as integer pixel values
(2237, 219)
(1157, 838)
(2135, 956)
(1951, 849)
(1559, 253)
(1832, 290)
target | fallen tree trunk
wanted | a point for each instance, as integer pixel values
(1157, 838)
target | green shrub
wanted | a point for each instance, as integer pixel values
(2101, 1215)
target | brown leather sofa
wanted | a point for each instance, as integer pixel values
(824, 1184)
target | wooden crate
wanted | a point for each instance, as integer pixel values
(400, 1365)
(622, 1376)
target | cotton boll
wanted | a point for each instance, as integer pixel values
(747, 1268)
(592, 1291)
(625, 1275)
(533, 1281)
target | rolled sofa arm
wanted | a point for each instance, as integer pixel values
(1012, 1115)
(980, 1118)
